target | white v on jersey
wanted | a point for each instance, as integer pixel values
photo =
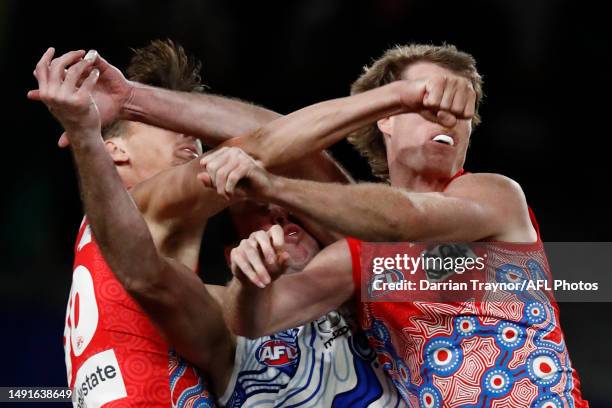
(322, 364)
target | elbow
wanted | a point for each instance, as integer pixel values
(242, 327)
(399, 227)
(391, 228)
(146, 289)
(140, 288)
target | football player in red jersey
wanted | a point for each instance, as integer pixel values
(163, 196)
(420, 153)
(105, 328)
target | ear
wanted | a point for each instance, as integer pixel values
(385, 125)
(117, 151)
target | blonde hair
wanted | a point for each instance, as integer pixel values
(369, 140)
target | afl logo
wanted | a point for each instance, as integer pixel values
(277, 353)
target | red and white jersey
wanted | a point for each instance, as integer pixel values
(473, 353)
(115, 357)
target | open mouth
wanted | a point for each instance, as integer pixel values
(444, 139)
(189, 150)
(292, 233)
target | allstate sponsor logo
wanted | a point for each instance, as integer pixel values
(98, 381)
(277, 353)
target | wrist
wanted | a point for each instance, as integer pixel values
(269, 191)
(131, 105)
(401, 93)
(84, 139)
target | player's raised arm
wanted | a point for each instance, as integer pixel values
(171, 294)
(266, 296)
(321, 125)
(214, 119)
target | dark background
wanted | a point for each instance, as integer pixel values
(546, 124)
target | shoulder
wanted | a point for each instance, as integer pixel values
(503, 197)
(488, 186)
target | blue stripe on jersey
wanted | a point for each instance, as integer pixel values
(310, 372)
(368, 388)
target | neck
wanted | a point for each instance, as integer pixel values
(412, 180)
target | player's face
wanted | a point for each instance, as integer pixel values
(250, 216)
(410, 135)
(151, 149)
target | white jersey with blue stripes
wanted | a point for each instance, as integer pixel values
(325, 363)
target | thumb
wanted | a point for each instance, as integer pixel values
(63, 141)
(34, 95)
(446, 119)
(101, 63)
(204, 177)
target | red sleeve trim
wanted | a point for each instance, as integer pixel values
(534, 222)
(355, 248)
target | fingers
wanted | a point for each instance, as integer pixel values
(448, 94)
(434, 92)
(204, 177)
(450, 98)
(63, 141)
(210, 163)
(73, 74)
(260, 256)
(446, 119)
(41, 72)
(225, 168)
(237, 174)
(89, 83)
(278, 236)
(457, 108)
(240, 265)
(100, 62)
(221, 174)
(58, 65)
(254, 257)
(470, 105)
(265, 245)
(34, 94)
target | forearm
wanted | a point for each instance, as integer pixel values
(111, 212)
(372, 212)
(216, 120)
(212, 118)
(319, 126)
(246, 308)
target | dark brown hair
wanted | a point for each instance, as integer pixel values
(162, 64)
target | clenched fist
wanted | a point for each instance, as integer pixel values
(450, 97)
(225, 167)
(260, 259)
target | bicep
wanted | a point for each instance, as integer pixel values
(324, 285)
(474, 207)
